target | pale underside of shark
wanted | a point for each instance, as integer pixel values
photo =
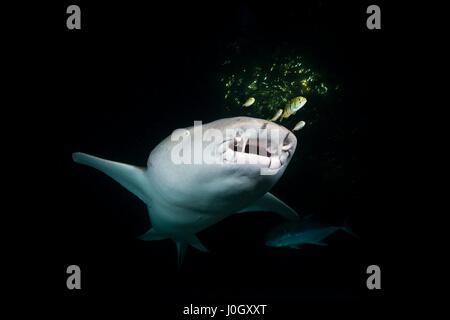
(185, 198)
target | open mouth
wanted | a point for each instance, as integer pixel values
(257, 149)
(265, 152)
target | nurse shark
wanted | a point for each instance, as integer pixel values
(296, 234)
(186, 197)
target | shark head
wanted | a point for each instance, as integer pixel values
(222, 165)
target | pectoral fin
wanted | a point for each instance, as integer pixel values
(319, 243)
(152, 234)
(182, 246)
(269, 202)
(131, 177)
(194, 241)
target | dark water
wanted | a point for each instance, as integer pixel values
(133, 74)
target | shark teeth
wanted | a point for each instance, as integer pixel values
(272, 149)
(250, 158)
(233, 151)
(229, 155)
(275, 162)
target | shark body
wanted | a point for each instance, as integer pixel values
(296, 234)
(185, 198)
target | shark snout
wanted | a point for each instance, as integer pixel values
(259, 141)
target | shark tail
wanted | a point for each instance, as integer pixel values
(181, 244)
(131, 177)
(181, 251)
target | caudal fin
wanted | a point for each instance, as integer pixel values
(131, 177)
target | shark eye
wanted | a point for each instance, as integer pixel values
(187, 133)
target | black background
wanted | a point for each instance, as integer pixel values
(135, 72)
